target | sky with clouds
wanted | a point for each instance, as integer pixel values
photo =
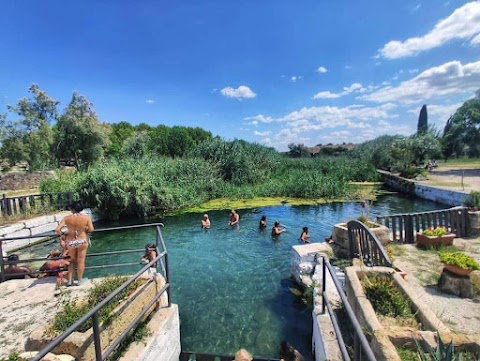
(270, 72)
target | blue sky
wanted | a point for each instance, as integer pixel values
(271, 72)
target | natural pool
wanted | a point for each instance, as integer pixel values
(233, 285)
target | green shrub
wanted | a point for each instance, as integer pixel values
(385, 297)
(73, 310)
(412, 172)
(459, 259)
(13, 357)
(473, 200)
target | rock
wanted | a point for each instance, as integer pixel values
(455, 285)
(48, 357)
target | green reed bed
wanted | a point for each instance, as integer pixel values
(217, 169)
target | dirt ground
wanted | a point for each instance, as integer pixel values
(460, 178)
(423, 268)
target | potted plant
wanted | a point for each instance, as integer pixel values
(459, 263)
(435, 237)
(473, 204)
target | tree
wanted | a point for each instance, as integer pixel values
(463, 133)
(30, 138)
(119, 133)
(298, 150)
(137, 145)
(80, 136)
(422, 126)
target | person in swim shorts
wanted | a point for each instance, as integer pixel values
(76, 239)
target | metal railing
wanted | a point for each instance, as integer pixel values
(11, 206)
(367, 247)
(360, 342)
(404, 227)
(161, 260)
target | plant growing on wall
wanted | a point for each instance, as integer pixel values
(473, 201)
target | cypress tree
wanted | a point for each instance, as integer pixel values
(422, 126)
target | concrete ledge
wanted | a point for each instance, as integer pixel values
(163, 343)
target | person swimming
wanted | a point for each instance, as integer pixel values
(205, 221)
(276, 230)
(304, 236)
(263, 222)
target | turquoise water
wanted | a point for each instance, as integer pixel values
(232, 284)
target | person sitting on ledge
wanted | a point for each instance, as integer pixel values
(243, 355)
(54, 266)
(150, 253)
(289, 353)
(14, 272)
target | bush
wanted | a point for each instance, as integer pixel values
(412, 172)
(73, 310)
(459, 259)
(473, 200)
(385, 297)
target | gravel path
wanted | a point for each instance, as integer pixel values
(424, 268)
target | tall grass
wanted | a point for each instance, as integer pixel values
(216, 169)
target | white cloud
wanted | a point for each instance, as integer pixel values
(262, 134)
(462, 24)
(413, 71)
(447, 79)
(322, 69)
(354, 88)
(241, 92)
(438, 113)
(149, 101)
(326, 95)
(260, 118)
(348, 67)
(295, 78)
(416, 8)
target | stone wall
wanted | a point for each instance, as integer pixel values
(14, 181)
(408, 186)
(30, 228)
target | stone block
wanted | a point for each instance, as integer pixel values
(7, 230)
(44, 228)
(38, 221)
(9, 246)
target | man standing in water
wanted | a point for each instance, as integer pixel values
(234, 218)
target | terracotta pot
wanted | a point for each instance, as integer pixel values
(434, 241)
(459, 271)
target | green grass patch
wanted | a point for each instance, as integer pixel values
(73, 309)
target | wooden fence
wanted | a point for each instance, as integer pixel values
(404, 227)
(11, 206)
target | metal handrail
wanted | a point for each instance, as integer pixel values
(360, 339)
(365, 245)
(52, 234)
(93, 313)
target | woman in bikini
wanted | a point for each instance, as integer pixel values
(76, 239)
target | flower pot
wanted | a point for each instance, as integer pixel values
(459, 271)
(434, 241)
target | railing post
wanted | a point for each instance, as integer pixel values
(324, 283)
(2, 264)
(409, 237)
(96, 337)
(167, 279)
